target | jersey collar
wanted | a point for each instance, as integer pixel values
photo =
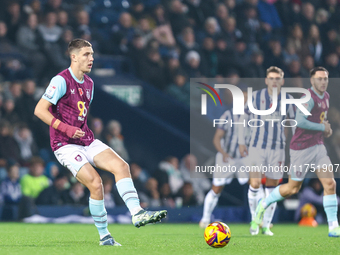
(74, 77)
(321, 97)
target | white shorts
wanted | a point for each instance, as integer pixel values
(73, 156)
(299, 159)
(229, 170)
(268, 161)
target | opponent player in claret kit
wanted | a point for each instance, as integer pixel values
(226, 143)
(307, 148)
(64, 107)
(266, 147)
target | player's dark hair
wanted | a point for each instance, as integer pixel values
(316, 69)
(275, 69)
(77, 44)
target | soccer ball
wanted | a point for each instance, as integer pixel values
(217, 234)
(308, 210)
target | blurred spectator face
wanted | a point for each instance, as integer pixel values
(332, 60)
(29, 87)
(3, 29)
(36, 6)
(115, 128)
(78, 189)
(222, 12)
(165, 190)
(251, 13)
(68, 36)
(190, 162)
(332, 3)
(174, 161)
(210, 26)
(54, 170)
(230, 25)
(233, 78)
(144, 25)
(25, 133)
(294, 67)
(240, 46)
(13, 172)
(173, 63)
(55, 3)
(62, 18)
(180, 80)
(308, 11)
(51, 19)
(178, 7)
(61, 183)
(193, 59)
(188, 35)
(154, 56)
(14, 9)
(230, 4)
(297, 32)
(291, 49)
(125, 20)
(308, 62)
(16, 89)
(208, 44)
(37, 169)
(276, 48)
(221, 44)
(159, 11)
(188, 191)
(97, 125)
(9, 105)
(32, 21)
(252, 2)
(321, 16)
(332, 35)
(5, 129)
(107, 185)
(258, 59)
(83, 18)
(138, 42)
(151, 184)
(139, 7)
(314, 32)
(135, 170)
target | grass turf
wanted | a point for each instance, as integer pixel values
(20, 238)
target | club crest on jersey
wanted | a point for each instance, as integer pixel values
(80, 90)
(78, 158)
(88, 95)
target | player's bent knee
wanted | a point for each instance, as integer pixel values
(329, 185)
(96, 185)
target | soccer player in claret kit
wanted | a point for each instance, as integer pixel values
(307, 149)
(267, 145)
(64, 107)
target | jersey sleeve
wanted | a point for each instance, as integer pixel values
(302, 121)
(92, 93)
(55, 90)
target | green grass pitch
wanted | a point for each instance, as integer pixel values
(20, 238)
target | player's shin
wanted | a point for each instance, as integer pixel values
(254, 195)
(99, 215)
(128, 193)
(210, 203)
(330, 204)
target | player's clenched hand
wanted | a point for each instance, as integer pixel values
(226, 157)
(243, 150)
(78, 134)
(328, 130)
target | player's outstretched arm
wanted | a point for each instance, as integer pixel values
(42, 112)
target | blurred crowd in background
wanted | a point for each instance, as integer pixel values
(168, 42)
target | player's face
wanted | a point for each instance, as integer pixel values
(320, 81)
(274, 80)
(85, 59)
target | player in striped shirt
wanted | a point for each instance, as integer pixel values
(267, 145)
(226, 143)
(307, 148)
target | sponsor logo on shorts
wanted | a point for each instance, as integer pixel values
(78, 158)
